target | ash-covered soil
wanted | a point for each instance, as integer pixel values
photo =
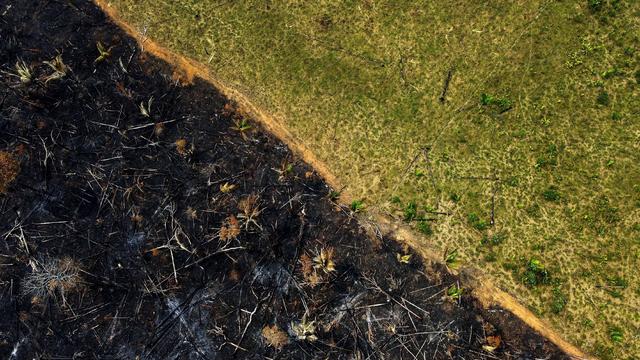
(143, 218)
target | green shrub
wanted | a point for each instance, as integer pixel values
(410, 211)
(535, 274)
(603, 98)
(595, 5)
(551, 194)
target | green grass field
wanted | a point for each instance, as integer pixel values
(540, 130)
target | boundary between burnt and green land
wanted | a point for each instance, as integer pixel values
(186, 70)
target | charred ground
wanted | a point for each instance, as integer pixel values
(152, 219)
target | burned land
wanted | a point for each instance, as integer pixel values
(142, 217)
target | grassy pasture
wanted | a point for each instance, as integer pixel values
(533, 156)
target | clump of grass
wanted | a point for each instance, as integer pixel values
(559, 300)
(551, 193)
(605, 212)
(533, 210)
(227, 187)
(103, 52)
(603, 98)
(59, 68)
(603, 216)
(618, 281)
(243, 127)
(501, 104)
(616, 334)
(451, 257)
(595, 5)
(52, 278)
(145, 110)
(494, 240)
(324, 260)
(455, 292)
(548, 158)
(9, 168)
(286, 169)
(615, 286)
(476, 222)
(611, 72)
(575, 59)
(357, 206)
(410, 211)
(23, 72)
(403, 258)
(424, 227)
(303, 330)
